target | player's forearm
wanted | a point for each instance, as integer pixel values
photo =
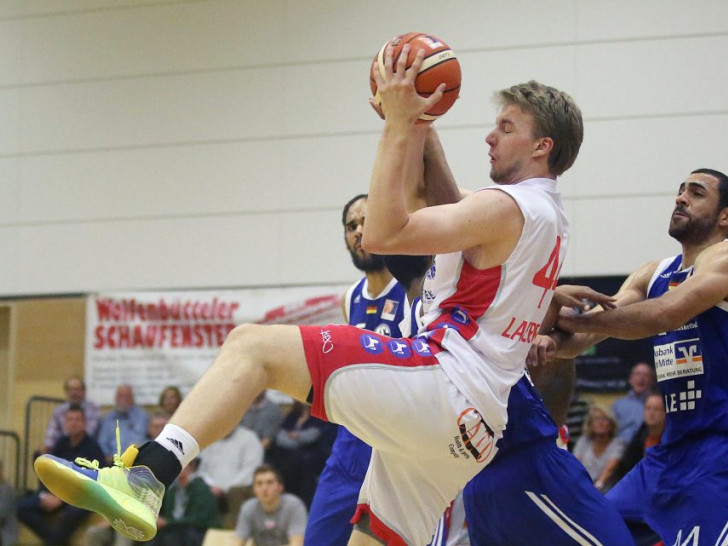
(398, 165)
(440, 186)
(572, 345)
(636, 321)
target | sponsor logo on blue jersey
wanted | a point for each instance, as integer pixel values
(384, 330)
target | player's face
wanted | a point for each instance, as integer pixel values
(511, 145)
(353, 228)
(695, 217)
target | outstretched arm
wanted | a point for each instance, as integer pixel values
(558, 343)
(708, 286)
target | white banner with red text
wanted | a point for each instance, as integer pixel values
(152, 340)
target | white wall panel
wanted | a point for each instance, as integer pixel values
(625, 19)
(150, 39)
(651, 78)
(190, 143)
(10, 191)
(236, 250)
(646, 156)
(612, 236)
(196, 180)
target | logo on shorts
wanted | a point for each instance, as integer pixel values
(476, 434)
(399, 348)
(327, 344)
(421, 347)
(371, 344)
(459, 316)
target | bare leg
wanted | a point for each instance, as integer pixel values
(253, 358)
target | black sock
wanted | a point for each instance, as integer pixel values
(163, 463)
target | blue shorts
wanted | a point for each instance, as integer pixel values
(337, 492)
(540, 494)
(680, 491)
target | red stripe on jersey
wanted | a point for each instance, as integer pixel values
(474, 294)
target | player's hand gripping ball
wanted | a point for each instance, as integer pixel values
(440, 66)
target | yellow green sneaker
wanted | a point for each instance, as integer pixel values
(128, 496)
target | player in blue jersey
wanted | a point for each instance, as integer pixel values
(680, 488)
(377, 302)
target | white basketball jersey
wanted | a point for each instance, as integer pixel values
(497, 311)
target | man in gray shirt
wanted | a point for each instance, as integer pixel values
(272, 518)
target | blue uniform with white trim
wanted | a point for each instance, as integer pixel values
(534, 492)
(335, 500)
(680, 488)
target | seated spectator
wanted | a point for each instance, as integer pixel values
(75, 390)
(169, 400)
(156, 423)
(264, 418)
(598, 449)
(272, 518)
(648, 435)
(132, 421)
(8, 513)
(102, 534)
(629, 409)
(45, 514)
(302, 445)
(227, 466)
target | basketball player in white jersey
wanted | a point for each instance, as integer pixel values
(432, 407)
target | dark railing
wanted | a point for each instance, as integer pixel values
(38, 411)
(10, 457)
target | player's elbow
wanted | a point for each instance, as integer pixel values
(373, 244)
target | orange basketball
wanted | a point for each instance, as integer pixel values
(440, 66)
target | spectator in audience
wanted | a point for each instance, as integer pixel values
(8, 513)
(75, 390)
(132, 422)
(629, 409)
(598, 449)
(272, 518)
(170, 399)
(36, 510)
(189, 509)
(648, 435)
(302, 445)
(156, 423)
(264, 418)
(227, 466)
(576, 417)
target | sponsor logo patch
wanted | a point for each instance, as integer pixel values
(477, 436)
(371, 344)
(399, 348)
(389, 309)
(421, 347)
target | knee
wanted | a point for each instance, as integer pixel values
(244, 339)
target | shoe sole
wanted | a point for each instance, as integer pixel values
(123, 512)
